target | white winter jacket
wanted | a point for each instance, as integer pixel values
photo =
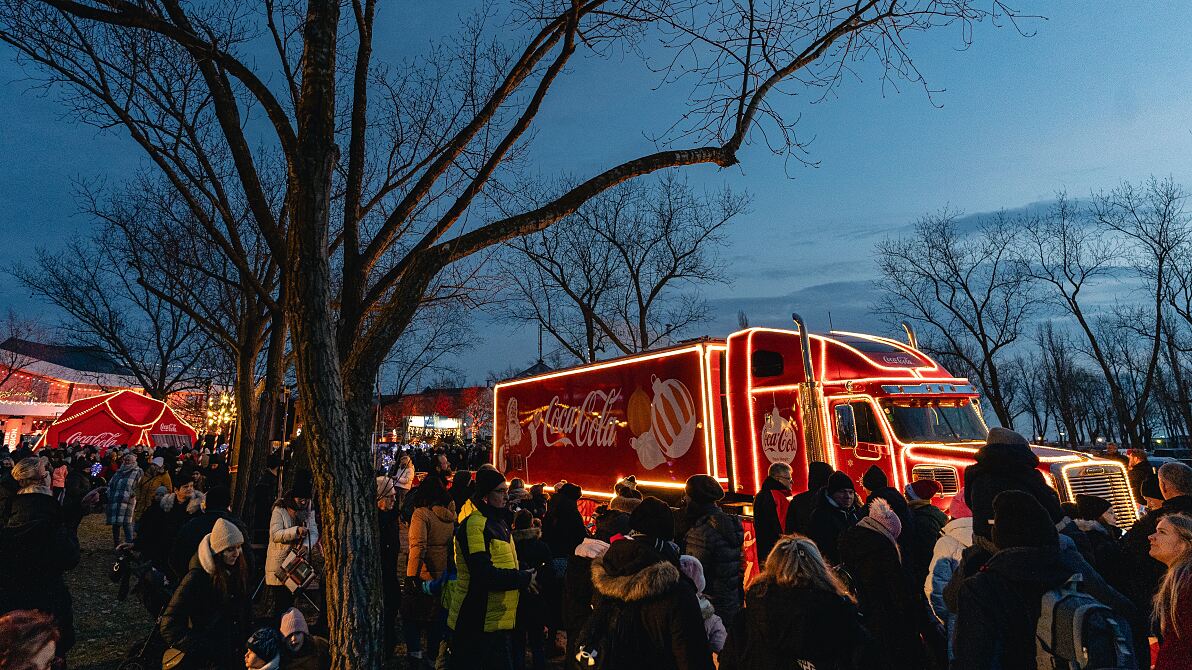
(958, 536)
(405, 478)
(283, 535)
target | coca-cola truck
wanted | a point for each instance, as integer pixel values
(731, 407)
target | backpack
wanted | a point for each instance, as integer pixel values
(1078, 632)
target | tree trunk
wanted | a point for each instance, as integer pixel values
(247, 417)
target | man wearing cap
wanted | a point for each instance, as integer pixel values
(482, 601)
(154, 477)
(718, 541)
(836, 511)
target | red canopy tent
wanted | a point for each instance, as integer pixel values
(113, 419)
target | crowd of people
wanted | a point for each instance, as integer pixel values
(482, 572)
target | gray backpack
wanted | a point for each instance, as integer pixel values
(1078, 632)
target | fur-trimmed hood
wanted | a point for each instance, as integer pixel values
(631, 571)
(534, 533)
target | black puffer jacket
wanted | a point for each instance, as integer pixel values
(782, 626)
(563, 528)
(206, 623)
(156, 530)
(649, 613)
(36, 548)
(827, 523)
(878, 485)
(890, 603)
(718, 541)
(768, 519)
(1005, 467)
(918, 540)
(798, 514)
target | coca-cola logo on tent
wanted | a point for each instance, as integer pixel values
(168, 428)
(102, 440)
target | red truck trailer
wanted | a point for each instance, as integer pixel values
(731, 407)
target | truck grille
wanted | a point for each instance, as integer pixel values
(945, 475)
(1106, 481)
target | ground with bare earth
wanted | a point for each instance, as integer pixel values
(107, 628)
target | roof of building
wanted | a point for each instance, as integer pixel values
(80, 365)
(440, 401)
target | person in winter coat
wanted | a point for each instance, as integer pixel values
(210, 508)
(389, 539)
(209, 615)
(927, 524)
(154, 477)
(78, 485)
(648, 616)
(538, 501)
(718, 541)
(160, 525)
(835, 511)
(713, 624)
(263, 650)
(461, 490)
(798, 614)
(1171, 544)
(578, 594)
(1138, 470)
(998, 606)
(1152, 495)
(1005, 463)
(1137, 574)
(563, 528)
(302, 651)
(483, 598)
(403, 477)
(122, 499)
(869, 553)
(534, 555)
(292, 528)
(798, 514)
(432, 528)
(957, 536)
(36, 549)
(770, 507)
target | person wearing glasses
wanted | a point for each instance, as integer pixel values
(483, 599)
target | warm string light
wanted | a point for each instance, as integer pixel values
(221, 411)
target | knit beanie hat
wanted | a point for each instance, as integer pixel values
(838, 482)
(880, 511)
(999, 435)
(1020, 521)
(874, 479)
(486, 481)
(626, 502)
(223, 535)
(265, 643)
(385, 486)
(158, 461)
(219, 498)
(924, 489)
(703, 489)
(958, 509)
(1150, 488)
(292, 622)
(160, 491)
(694, 570)
(569, 490)
(653, 517)
(1090, 508)
(629, 482)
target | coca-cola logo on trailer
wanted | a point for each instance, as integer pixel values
(101, 441)
(589, 424)
(778, 438)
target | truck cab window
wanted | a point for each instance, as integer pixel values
(764, 363)
(867, 428)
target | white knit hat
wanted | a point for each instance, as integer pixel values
(225, 534)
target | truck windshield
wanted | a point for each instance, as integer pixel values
(944, 420)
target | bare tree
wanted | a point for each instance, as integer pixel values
(621, 269)
(427, 147)
(18, 328)
(968, 292)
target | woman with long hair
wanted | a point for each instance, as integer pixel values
(797, 611)
(292, 528)
(432, 529)
(1171, 544)
(28, 640)
(210, 614)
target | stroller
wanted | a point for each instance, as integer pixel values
(135, 575)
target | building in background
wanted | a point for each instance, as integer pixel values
(39, 381)
(464, 413)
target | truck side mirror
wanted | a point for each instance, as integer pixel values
(846, 426)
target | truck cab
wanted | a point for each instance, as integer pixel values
(856, 401)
